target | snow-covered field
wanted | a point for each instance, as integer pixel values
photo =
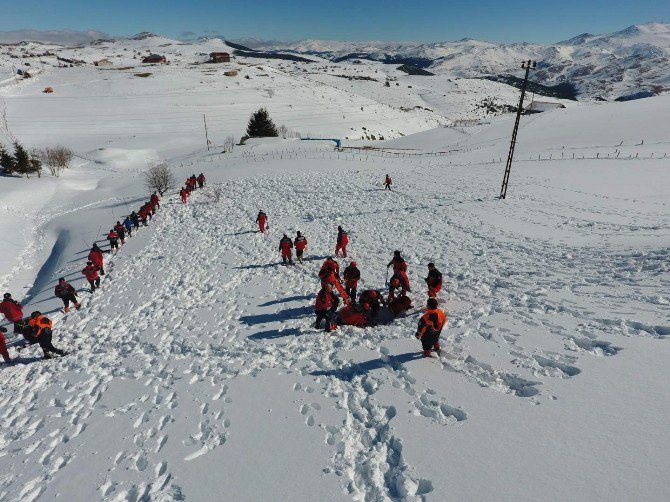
(195, 373)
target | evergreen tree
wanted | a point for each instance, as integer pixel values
(6, 160)
(261, 125)
(22, 160)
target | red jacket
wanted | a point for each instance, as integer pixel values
(154, 199)
(63, 288)
(399, 264)
(12, 310)
(112, 235)
(300, 243)
(325, 300)
(95, 257)
(262, 218)
(351, 276)
(285, 246)
(90, 272)
(119, 228)
(342, 239)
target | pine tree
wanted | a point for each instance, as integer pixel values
(6, 160)
(22, 160)
(261, 125)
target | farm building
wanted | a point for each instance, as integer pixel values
(155, 58)
(103, 62)
(219, 57)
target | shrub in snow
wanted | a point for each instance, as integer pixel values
(159, 178)
(229, 144)
(56, 158)
(261, 126)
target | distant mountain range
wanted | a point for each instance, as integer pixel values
(631, 62)
(600, 66)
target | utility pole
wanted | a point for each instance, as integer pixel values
(527, 66)
(204, 119)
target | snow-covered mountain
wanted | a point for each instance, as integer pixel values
(606, 66)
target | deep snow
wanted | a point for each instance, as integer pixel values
(196, 375)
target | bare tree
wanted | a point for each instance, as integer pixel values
(159, 178)
(282, 130)
(56, 158)
(229, 144)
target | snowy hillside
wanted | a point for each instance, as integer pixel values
(195, 372)
(604, 66)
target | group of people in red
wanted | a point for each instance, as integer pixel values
(190, 185)
(37, 328)
(364, 310)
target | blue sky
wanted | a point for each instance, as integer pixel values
(428, 20)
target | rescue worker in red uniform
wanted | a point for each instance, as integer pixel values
(351, 277)
(262, 219)
(286, 248)
(400, 272)
(325, 306)
(3, 346)
(40, 332)
(67, 293)
(342, 242)
(388, 182)
(95, 256)
(434, 281)
(300, 244)
(430, 327)
(113, 238)
(120, 231)
(201, 180)
(91, 273)
(330, 270)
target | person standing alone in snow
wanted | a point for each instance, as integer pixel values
(434, 281)
(342, 242)
(262, 220)
(300, 244)
(388, 182)
(67, 293)
(286, 246)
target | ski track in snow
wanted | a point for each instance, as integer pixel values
(207, 300)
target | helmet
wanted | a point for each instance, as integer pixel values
(431, 265)
(35, 314)
(7, 296)
(61, 279)
(89, 263)
(396, 253)
(353, 263)
(432, 303)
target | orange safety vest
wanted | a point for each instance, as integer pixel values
(433, 319)
(41, 322)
